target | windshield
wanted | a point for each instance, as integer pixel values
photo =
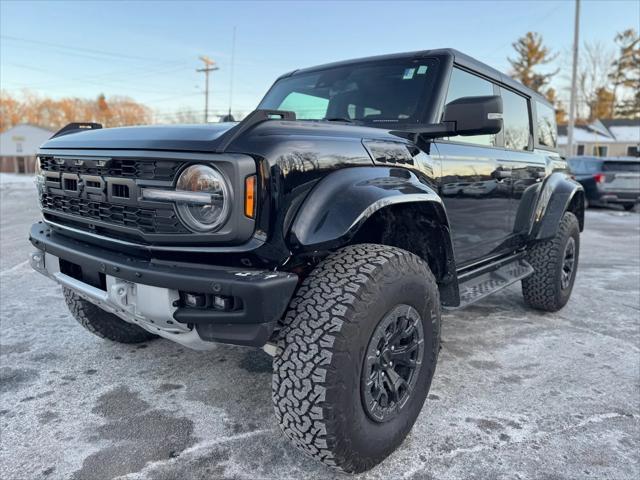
(386, 92)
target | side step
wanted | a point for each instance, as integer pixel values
(476, 287)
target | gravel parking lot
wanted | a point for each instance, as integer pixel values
(517, 394)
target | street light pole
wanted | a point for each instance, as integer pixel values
(574, 68)
(209, 66)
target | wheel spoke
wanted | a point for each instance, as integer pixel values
(398, 330)
(405, 350)
(395, 382)
(404, 358)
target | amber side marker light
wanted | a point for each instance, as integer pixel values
(250, 196)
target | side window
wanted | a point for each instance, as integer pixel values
(580, 150)
(546, 124)
(516, 120)
(465, 84)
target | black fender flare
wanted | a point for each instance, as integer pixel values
(333, 212)
(557, 193)
(342, 201)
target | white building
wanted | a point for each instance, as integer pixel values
(619, 137)
(18, 147)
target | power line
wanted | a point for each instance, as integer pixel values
(102, 78)
(117, 55)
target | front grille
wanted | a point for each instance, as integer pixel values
(80, 190)
(121, 191)
(116, 167)
(161, 221)
(70, 184)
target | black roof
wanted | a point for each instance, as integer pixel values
(458, 58)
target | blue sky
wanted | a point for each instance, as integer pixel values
(149, 50)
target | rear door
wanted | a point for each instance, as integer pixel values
(474, 185)
(527, 164)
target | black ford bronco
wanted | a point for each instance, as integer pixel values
(329, 227)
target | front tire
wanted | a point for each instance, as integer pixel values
(555, 264)
(104, 324)
(335, 352)
(629, 206)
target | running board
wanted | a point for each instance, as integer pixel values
(480, 286)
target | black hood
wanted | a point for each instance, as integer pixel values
(208, 138)
(195, 138)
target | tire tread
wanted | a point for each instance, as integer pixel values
(104, 324)
(328, 299)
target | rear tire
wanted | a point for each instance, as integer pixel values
(629, 206)
(336, 344)
(104, 324)
(550, 286)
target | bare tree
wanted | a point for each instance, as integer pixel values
(56, 113)
(625, 75)
(594, 85)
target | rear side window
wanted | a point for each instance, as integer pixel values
(465, 84)
(546, 125)
(516, 120)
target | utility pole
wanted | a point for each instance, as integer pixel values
(233, 55)
(209, 66)
(574, 69)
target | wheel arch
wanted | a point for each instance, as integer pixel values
(381, 205)
(558, 194)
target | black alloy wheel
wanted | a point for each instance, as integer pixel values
(392, 363)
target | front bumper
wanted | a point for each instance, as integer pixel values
(147, 293)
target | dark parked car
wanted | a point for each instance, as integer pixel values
(317, 229)
(608, 181)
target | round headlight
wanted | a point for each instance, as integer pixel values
(212, 209)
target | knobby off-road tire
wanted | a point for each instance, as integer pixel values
(544, 289)
(104, 324)
(318, 380)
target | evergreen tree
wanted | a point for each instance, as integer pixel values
(531, 53)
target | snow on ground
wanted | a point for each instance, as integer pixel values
(16, 179)
(517, 394)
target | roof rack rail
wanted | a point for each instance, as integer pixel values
(250, 121)
(76, 127)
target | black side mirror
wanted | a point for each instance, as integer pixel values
(475, 115)
(464, 116)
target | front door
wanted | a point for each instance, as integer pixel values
(475, 184)
(476, 190)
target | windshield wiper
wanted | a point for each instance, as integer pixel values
(337, 119)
